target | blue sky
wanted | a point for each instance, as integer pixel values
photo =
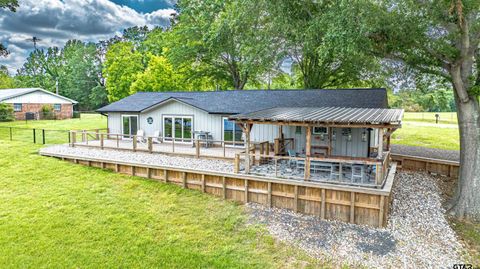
(57, 21)
(145, 6)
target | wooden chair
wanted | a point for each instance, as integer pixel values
(141, 136)
(156, 137)
(292, 153)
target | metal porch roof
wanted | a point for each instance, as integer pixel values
(325, 115)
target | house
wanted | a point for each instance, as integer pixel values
(28, 103)
(178, 115)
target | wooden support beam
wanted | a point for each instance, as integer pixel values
(184, 180)
(380, 143)
(165, 175)
(203, 183)
(295, 199)
(322, 209)
(269, 195)
(134, 143)
(101, 141)
(197, 148)
(246, 190)
(352, 207)
(236, 164)
(381, 212)
(150, 144)
(247, 147)
(308, 148)
(224, 188)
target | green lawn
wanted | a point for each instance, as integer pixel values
(61, 215)
(419, 129)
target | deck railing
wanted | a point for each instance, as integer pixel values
(368, 172)
(182, 146)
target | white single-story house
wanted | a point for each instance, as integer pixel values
(180, 115)
(28, 102)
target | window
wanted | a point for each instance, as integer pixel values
(320, 130)
(298, 129)
(57, 107)
(178, 128)
(129, 125)
(233, 133)
(17, 107)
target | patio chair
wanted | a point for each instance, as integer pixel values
(156, 137)
(358, 173)
(292, 153)
(335, 171)
(141, 136)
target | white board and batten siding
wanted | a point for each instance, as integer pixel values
(213, 123)
(37, 97)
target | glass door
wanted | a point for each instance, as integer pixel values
(129, 125)
(232, 133)
(178, 128)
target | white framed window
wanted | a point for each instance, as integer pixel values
(57, 107)
(320, 130)
(17, 107)
(129, 125)
(179, 128)
(232, 133)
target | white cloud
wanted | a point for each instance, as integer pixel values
(56, 21)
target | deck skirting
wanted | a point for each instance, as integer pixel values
(358, 205)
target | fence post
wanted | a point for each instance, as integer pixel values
(307, 168)
(96, 134)
(197, 148)
(69, 138)
(236, 166)
(74, 138)
(101, 141)
(43, 136)
(10, 133)
(150, 144)
(34, 137)
(173, 144)
(134, 143)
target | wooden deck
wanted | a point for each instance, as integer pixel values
(358, 205)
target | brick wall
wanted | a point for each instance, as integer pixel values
(66, 111)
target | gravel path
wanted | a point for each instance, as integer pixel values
(141, 157)
(417, 235)
(441, 154)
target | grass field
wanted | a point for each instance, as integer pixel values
(55, 214)
(420, 129)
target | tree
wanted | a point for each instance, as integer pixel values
(12, 6)
(122, 65)
(229, 39)
(322, 39)
(159, 76)
(443, 41)
(6, 81)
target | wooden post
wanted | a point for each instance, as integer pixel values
(352, 207)
(224, 188)
(269, 195)
(322, 210)
(380, 143)
(117, 168)
(173, 145)
(134, 143)
(203, 183)
(330, 135)
(74, 138)
(379, 174)
(197, 148)
(103, 165)
(247, 147)
(150, 144)
(184, 180)
(84, 135)
(236, 164)
(382, 208)
(308, 147)
(101, 141)
(133, 170)
(118, 141)
(223, 145)
(96, 134)
(43, 136)
(34, 136)
(149, 172)
(295, 199)
(165, 175)
(246, 190)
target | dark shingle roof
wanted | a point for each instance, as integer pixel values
(245, 101)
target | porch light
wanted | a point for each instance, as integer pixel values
(349, 137)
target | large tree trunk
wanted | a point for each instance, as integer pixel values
(466, 203)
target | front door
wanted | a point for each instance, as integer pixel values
(178, 128)
(129, 125)
(232, 133)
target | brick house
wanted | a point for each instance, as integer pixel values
(28, 103)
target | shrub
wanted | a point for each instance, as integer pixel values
(47, 112)
(6, 112)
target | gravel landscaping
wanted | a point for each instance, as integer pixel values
(142, 157)
(417, 235)
(441, 154)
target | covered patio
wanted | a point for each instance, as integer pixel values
(362, 133)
